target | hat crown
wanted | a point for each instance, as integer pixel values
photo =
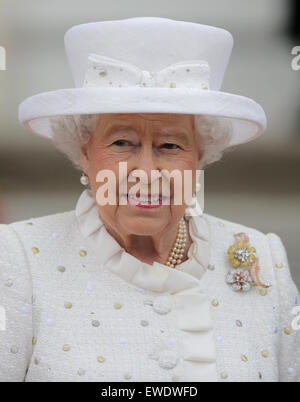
(150, 43)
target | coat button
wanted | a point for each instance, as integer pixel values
(162, 305)
(168, 359)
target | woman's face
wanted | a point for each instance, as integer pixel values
(147, 142)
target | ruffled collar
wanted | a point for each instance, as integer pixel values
(156, 277)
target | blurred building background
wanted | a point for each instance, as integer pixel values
(257, 185)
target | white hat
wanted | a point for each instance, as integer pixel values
(146, 65)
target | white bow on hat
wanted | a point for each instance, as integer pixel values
(107, 72)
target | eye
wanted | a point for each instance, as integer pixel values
(170, 146)
(121, 143)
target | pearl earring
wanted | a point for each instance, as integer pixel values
(84, 180)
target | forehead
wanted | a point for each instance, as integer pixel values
(140, 119)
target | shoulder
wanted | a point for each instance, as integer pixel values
(230, 227)
(16, 237)
(44, 228)
(11, 234)
(20, 241)
(226, 229)
(46, 224)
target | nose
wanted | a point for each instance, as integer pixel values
(147, 161)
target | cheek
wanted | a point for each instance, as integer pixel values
(102, 158)
(186, 163)
(182, 161)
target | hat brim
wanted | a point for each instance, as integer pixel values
(247, 117)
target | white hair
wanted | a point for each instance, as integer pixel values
(214, 134)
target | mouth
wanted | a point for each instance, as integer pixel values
(146, 200)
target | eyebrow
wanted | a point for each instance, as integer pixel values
(175, 132)
(169, 132)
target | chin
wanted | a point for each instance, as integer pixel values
(143, 225)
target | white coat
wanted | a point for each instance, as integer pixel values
(78, 307)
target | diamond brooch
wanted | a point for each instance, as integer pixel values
(244, 273)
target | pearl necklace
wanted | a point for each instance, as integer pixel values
(177, 251)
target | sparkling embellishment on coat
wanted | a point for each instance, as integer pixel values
(245, 272)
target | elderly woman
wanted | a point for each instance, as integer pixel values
(144, 288)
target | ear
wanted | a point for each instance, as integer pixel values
(84, 155)
(200, 159)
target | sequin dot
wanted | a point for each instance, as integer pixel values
(172, 341)
(34, 340)
(215, 303)
(117, 305)
(172, 85)
(288, 331)
(9, 282)
(123, 340)
(66, 348)
(127, 376)
(101, 359)
(279, 265)
(60, 268)
(265, 354)
(50, 322)
(239, 323)
(95, 323)
(81, 372)
(211, 267)
(35, 250)
(219, 339)
(82, 253)
(244, 358)
(14, 349)
(24, 310)
(224, 375)
(168, 359)
(263, 292)
(68, 305)
(144, 323)
(291, 371)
